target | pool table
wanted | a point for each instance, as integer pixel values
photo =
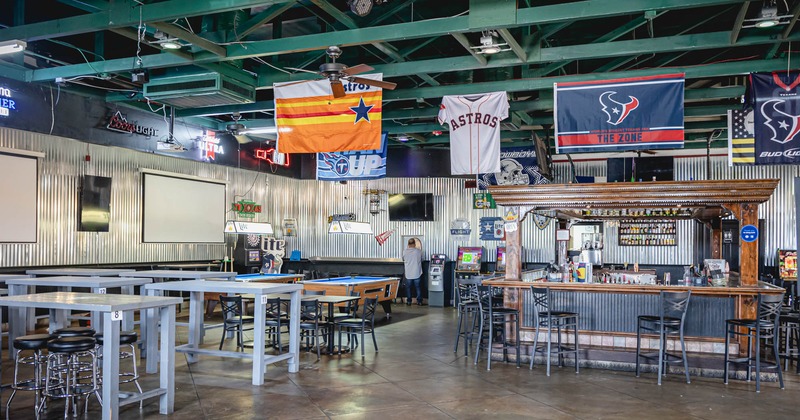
(385, 288)
(269, 278)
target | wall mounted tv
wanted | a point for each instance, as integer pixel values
(411, 207)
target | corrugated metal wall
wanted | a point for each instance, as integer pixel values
(311, 202)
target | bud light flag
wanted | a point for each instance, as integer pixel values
(517, 167)
(776, 120)
(342, 166)
(636, 113)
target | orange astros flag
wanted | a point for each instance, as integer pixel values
(310, 120)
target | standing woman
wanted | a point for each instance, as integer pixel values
(412, 261)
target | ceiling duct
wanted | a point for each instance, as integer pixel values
(199, 90)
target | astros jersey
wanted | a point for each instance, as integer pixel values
(474, 122)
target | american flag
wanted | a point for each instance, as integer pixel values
(741, 142)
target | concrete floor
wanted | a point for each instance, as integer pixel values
(417, 375)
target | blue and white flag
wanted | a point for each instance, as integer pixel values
(635, 113)
(776, 122)
(491, 229)
(518, 166)
(343, 166)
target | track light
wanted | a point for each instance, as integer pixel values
(768, 16)
(489, 44)
(12, 46)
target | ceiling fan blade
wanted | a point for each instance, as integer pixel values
(242, 139)
(357, 69)
(303, 70)
(377, 83)
(298, 82)
(337, 88)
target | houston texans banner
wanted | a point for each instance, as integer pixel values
(517, 167)
(635, 113)
(776, 119)
(341, 166)
(309, 119)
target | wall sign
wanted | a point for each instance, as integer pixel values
(290, 227)
(272, 156)
(210, 146)
(118, 123)
(749, 233)
(274, 251)
(483, 201)
(246, 208)
(460, 229)
(492, 229)
(7, 104)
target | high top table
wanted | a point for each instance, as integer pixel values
(78, 271)
(4, 277)
(18, 320)
(260, 290)
(159, 276)
(113, 308)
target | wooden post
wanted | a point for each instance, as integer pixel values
(514, 248)
(747, 214)
(716, 238)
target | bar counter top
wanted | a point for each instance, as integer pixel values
(641, 288)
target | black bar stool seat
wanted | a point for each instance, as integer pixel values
(546, 320)
(125, 337)
(75, 332)
(669, 322)
(32, 342)
(71, 344)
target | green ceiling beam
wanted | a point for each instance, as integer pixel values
(462, 39)
(257, 21)
(122, 13)
(737, 25)
(87, 5)
(691, 42)
(704, 71)
(412, 30)
(513, 44)
(532, 105)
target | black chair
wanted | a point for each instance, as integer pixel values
(468, 310)
(362, 325)
(310, 327)
(276, 319)
(545, 318)
(493, 325)
(350, 309)
(764, 327)
(234, 320)
(74, 332)
(669, 322)
(128, 339)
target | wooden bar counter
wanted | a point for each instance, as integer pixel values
(607, 312)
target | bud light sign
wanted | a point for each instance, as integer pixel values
(342, 166)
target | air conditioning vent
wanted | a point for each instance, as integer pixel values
(199, 90)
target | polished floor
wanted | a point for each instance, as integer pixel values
(416, 375)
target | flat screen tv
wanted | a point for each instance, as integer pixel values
(95, 204)
(411, 207)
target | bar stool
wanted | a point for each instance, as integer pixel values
(493, 322)
(790, 337)
(468, 309)
(66, 361)
(126, 338)
(669, 321)
(34, 343)
(74, 332)
(765, 327)
(546, 318)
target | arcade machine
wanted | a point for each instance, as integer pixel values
(437, 289)
(500, 265)
(468, 264)
(247, 254)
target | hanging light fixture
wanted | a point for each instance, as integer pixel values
(489, 44)
(768, 16)
(12, 46)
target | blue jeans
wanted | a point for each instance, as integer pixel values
(416, 283)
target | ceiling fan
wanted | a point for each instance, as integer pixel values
(235, 129)
(336, 72)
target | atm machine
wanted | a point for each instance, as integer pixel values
(436, 280)
(247, 254)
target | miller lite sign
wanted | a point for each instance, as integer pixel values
(274, 251)
(343, 166)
